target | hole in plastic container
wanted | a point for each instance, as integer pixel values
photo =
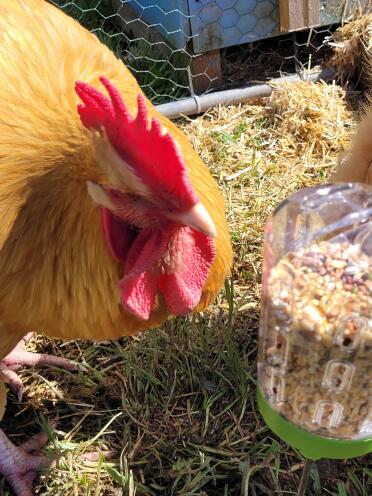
(338, 375)
(276, 386)
(281, 294)
(350, 331)
(327, 414)
(277, 353)
(281, 311)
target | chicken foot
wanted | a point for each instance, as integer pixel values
(18, 464)
(19, 357)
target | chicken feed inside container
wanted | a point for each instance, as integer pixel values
(315, 365)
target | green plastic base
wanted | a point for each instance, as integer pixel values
(311, 446)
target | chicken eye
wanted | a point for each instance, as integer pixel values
(116, 194)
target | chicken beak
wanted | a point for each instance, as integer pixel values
(198, 218)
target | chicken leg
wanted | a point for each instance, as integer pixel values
(19, 357)
(18, 464)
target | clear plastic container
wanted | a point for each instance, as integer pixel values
(315, 350)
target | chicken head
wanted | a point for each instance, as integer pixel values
(153, 220)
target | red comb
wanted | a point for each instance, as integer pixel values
(154, 156)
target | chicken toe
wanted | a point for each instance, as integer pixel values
(13, 380)
(19, 357)
(18, 464)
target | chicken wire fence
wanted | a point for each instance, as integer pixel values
(178, 48)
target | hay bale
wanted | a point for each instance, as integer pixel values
(351, 45)
(312, 119)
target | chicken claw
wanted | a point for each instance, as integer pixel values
(19, 357)
(18, 464)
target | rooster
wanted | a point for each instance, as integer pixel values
(110, 223)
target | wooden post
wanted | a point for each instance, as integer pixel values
(206, 71)
(298, 14)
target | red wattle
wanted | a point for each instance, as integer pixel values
(180, 276)
(182, 288)
(139, 284)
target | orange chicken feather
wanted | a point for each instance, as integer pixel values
(356, 164)
(67, 111)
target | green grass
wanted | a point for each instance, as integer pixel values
(177, 408)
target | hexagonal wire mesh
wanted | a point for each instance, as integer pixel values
(177, 48)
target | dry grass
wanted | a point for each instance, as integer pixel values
(175, 410)
(352, 45)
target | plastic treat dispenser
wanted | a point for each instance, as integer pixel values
(315, 349)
